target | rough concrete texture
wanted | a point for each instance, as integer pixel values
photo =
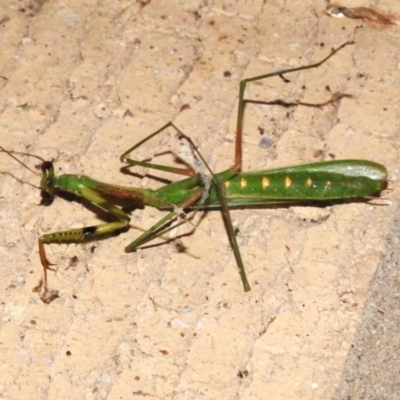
(81, 82)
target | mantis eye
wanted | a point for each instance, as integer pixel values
(46, 166)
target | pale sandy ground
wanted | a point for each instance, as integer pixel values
(81, 82)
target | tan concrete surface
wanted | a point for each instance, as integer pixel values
(81, 82)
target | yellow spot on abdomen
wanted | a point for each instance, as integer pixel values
(288, 182)
(309, 182)
(243, 183)
(227, 183)
(328, 183)
(265, 182)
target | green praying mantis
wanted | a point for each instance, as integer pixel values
(320, 181)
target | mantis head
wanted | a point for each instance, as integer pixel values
(47, 187)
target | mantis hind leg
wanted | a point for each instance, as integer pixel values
(243, 101)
